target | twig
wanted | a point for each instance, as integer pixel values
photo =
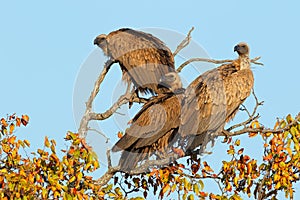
(213, 61)
(259, 192)
(108, 158)
(252, 116)
(124, 99)
(263, 130)
(107, 138)
(184, 42)
(103, 180)
(256, 59)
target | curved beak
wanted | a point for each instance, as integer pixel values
(95, 41)
(236, 48)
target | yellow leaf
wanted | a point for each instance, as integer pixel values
(230, 152)
(278, 185)
(11, 140)
(289, 150)
(196, 189)
(22, 173)
(255, 124)
(27, 143)
(268, 134)
(3, 122)
(18, 121)
(289, 118)
(166, 188)
(46, 142)
(174, 186)
(11, 128)
(79, 176)
(111, 194)
(252, 134)
(191, 197)
(235, 181)
(72, 179)
(53, 148)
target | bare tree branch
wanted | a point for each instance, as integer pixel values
(108, 158)
(95, 130)
(254, 61)
(124, 99)
(252, 116)
(85, 119)
(90, 115)
(184, 42)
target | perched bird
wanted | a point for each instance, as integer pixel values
(153, 127)
(214, 98)
(143, 58)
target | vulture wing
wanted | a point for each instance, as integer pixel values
(152, 129)
(213, 99)
(143, 58)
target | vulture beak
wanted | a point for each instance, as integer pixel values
(95, 41)
(237, 48)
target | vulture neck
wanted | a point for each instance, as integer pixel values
(244, 61)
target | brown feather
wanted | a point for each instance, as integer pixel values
(152, 129)
(143, 58)
(213, 99)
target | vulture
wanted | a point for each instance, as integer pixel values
(214, 98)
(143, 58)
(154, 127)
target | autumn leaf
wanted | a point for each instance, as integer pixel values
(268, 157)
(46, 142)
(252, 134)
(18, 122)
(179, 151)
(3, 122)
(241, 151)
(25, 119)
(120, 134)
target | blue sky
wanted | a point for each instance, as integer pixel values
(45, 47)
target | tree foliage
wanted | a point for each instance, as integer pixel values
(46, 175)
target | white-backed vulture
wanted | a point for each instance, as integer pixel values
(143, 58)
(214, 98)
(153, 127)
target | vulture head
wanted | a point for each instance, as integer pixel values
(171, 80)
(101, 42)
(242, 48)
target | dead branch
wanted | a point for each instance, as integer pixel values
(85, 119)
(184, 42)
(108, 158)
(252, 116)
(90, 115)
(124, 99)
(95, 130)
(254, 61)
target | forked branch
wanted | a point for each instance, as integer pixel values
(254, 61)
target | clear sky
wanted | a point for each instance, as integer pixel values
(46, 46)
